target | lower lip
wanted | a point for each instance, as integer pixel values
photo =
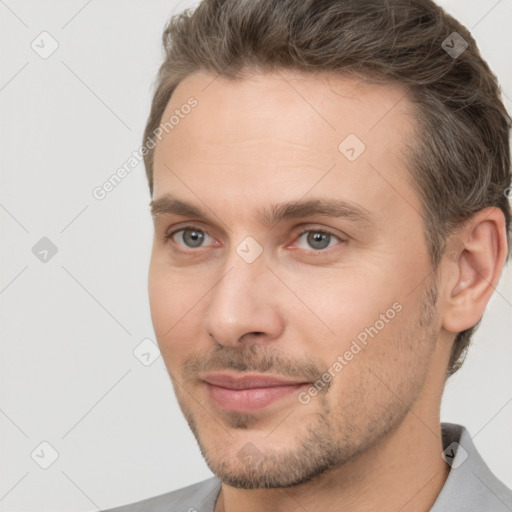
(247, 400)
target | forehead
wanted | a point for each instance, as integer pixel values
(283, 130)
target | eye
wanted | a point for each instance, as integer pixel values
(318, 239)
(190, 236)
(193, 237)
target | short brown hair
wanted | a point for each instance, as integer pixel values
(460, 153)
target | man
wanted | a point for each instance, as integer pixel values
(329, 186)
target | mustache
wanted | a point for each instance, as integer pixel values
(253, 358)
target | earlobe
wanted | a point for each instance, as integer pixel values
(474, 260)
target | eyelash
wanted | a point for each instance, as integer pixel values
(168, 236)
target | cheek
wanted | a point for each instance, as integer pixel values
(380, 377)
(373, 336)
(175, 304)
(343, 306)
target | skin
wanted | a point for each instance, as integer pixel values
(372, 441)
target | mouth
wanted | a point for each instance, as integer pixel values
(248, 392)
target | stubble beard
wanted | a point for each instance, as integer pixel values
(329, 442)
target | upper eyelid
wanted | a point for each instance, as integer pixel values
(306, 229)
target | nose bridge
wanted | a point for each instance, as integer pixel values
(239, 301)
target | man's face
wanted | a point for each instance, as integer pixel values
(345, 304)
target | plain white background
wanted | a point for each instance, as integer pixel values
(68, 373)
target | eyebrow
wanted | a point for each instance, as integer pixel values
(168, 205)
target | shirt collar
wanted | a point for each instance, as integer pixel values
(470, 486)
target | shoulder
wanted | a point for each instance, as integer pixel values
(198, 497)
(471, 486)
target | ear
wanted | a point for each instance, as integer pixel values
(474, 260)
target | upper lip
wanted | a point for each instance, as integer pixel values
(247, 381)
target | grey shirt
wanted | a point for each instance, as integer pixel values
(470, 486)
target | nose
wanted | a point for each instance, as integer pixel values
(244, 305)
